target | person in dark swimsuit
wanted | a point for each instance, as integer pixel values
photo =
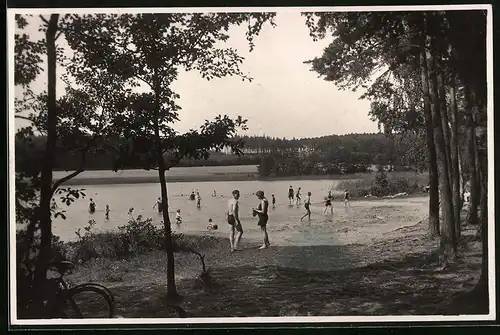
(290, 195)
(307, 206)
(107, 212)
(274, 202)
(233, 220)
(346, 199)
(262, 212)
(91, 206)
(297, 197)
(328, 203)
(159, 204)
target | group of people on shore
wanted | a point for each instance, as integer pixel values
(261, 212)
(233, 219)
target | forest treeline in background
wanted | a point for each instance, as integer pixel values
(326, 155)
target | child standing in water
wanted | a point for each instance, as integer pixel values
(91, 206)
(261, 211)
(290, 195)
(178, 218)
(198, 200)
(297, 197)
(307, 206)
(107, 212)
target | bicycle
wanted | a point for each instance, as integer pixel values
(64, 301)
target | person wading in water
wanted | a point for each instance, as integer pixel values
(91, 206)
(290, 195)
(307, 206)
(346, 199)
(107, 212)
(159, 204)
(262, 212)
(328, 203)
(297, 197)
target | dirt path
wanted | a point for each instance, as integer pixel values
(396, 273)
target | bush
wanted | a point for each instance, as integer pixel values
(383, 184)
(139, 235)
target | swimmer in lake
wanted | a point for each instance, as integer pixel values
(214, 194)
(233, 219)
(307, 206)
(290, 195)
(192, 196)
(91, 206)
(107, 212)
(274, 201)
(159, 204)
(262, 212)
(211, 225)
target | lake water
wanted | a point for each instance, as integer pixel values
(142, 198)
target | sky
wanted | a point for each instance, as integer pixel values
(285, 99)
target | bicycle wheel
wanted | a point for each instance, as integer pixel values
(87, 301)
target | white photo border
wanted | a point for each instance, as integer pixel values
(255, 320)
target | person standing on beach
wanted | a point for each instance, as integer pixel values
(233, 219)
(290, 195)
(159, 205)
(198, 200)
(328, 203)
(346, 199)
(91, 206)
(274, 202)
(262, 213)
(107, 212)
(297, 197)
(307, 206)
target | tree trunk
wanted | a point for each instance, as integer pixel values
(448, 237)
(482, 285)
(433, 175)
(455, 167)
(444, 120)
(48, 159)
(471, 148)
(172, 295)
(463, 179)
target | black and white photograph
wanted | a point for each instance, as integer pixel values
(251, 165)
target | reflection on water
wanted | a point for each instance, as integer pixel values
(142, 198)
